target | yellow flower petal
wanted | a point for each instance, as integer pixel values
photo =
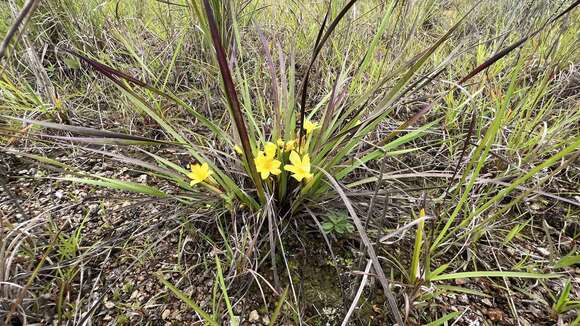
(290, 168)
(270, 149)
(306, 161)
(295, 158)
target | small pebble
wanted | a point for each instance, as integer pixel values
(254, 316)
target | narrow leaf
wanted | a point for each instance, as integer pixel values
(187, 300)
(232, 97)
(454, 276)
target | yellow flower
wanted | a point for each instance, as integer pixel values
(266, 165)
(290, 145)
(199, 173)
(280, 143)
(309, 126)
(238, 150)
(265, 162)
(300, 167)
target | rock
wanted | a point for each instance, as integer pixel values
(495, 314)
(59, 194)
(142, 178)
(176, 315)
(254, 317)
(543, 251)
(266, 320)
(134, 295)
(165, 314)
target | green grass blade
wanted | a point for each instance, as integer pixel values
(453, 276)
(119, 185)
(567, 261)
(224, 288)
(278, 307)
(445, 319)
(187, 300)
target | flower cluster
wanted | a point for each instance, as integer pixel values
(266, 160)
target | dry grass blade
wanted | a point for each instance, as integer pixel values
(359, 292)
(32, 277)
(23, 17)
(110, 72)
(273, 78)
(371, 251)
(493, 59)
(399, 89)
(328, 113)
(86, 131)
(317, 47)
(117, 77)
(172, 3)
(404, 228)
(410, 122)
(137, 162)
(272, 231)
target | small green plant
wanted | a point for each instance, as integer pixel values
(338, 224)
(564, 304)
